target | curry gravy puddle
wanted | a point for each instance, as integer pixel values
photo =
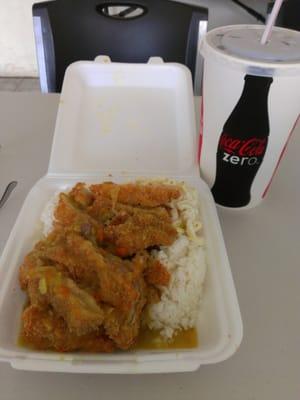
(23, 342)
(151, 340)
(148, 340)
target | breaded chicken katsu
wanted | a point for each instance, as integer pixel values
(90, 279)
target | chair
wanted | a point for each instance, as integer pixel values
(126, 30)
(289, 16)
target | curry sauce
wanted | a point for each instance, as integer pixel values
(147, 340)
(151, 340)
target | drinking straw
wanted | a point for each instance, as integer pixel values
(271, 21)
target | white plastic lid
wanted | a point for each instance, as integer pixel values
(240, 46)
(137, 118)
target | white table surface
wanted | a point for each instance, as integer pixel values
(263, 247)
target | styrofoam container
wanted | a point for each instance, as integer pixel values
(120, 122)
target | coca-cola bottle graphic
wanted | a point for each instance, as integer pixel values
(242, 144)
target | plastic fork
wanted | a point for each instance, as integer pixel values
(10, 187)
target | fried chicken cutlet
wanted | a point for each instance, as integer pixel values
(85, 263)
(44, 330)
(48, 287)
(151, 195)
(93, 275)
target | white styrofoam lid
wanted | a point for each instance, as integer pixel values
(125, 117)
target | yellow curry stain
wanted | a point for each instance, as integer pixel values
(22, 342)
(151, 340)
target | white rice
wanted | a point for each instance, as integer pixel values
(178, 307)
(47, 217)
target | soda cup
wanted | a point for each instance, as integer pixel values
(250, 106)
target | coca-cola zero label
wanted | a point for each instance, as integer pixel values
(242, 152)
(242, 144)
